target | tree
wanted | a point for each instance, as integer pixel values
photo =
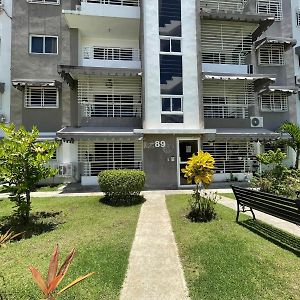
(23, 164)
(293, 130)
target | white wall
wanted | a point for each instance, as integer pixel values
(152, 67)
(151, 71)
(5, 57)
(296, 35)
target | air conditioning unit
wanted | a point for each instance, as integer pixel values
(297, 80)
(65, 170)
(2, 119)
(257, 122)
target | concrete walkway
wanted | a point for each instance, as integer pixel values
(154, 270)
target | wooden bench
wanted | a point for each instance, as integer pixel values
(280, 207)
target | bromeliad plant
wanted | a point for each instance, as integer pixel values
(8, 236)
(55, 277)
(199, 170)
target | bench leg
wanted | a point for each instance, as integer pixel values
(252, 212)
(238, 211)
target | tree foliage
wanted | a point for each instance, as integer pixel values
(293, 130)
(23, 163)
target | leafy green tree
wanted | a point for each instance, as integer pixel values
(293, 130)
(23, 163)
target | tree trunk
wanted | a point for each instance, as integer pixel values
(297, 159)
(28, 208)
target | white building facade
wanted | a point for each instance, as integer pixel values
(5, 59)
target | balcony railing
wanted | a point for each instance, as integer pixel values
(228, 5)
(107, 53)
(115, 2)
(112, 109)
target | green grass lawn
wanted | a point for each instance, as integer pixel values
(225, 260)
(102, 236)
(227, 195)
(42, 188)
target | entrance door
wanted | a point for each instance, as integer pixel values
(185, 149)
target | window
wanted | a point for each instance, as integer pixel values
(43, 44)
(41, 97)
(171, 109)
(170, 45)
(274, 102)
(274, 146)
(270, 7)
(271, 55)
(96, 157)
(44, 1)
(298, 18)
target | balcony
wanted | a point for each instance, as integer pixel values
(108, 57)
(226, 5)
(109, 8)
(112, 19)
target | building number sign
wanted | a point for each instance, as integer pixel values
(160, 144)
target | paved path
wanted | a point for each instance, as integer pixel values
(154, 270)
(281, 224)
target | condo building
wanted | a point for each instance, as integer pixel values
(5, 60)
(145, 84)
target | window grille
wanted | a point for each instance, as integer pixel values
(274, 102)
(98, 156)
(108, 53)
(41, 97)
(115, 2)
(226, 42)
(273, 146)
(44, 1)
(227, 99)
(227, 5)
(271, 54)
(298, 18)
(110, 96)
(231, 157)
(270, 7)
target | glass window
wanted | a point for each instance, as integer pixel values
(42, 44)
(37, 44)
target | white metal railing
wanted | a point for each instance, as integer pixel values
(273, 7)
(228, 5)
(227, 99)
(110, 96)
(231, 157)
(226, 42)
(271, 54)
(115, 2)
(112, 107)
(274, 102)
(109, 53)
(98, 156)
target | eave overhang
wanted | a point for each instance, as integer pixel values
(88, 133)
(286, 42)
(263, 21)
(20, 84)
(260, 80)
(249, 134)
(71, 73)
(283, 89)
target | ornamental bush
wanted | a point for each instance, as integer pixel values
(122, 187)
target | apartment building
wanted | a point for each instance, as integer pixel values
(5, 59)
(145, 84)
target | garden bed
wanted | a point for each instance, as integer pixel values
(102, 236)
(225, 260)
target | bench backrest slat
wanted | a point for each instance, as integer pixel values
(276, 206)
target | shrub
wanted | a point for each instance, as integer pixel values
(204, 209)
(199, 170)
(121, 187)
